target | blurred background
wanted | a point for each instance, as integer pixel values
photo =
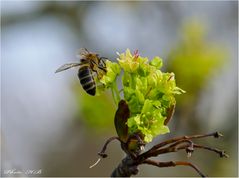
(48, 123)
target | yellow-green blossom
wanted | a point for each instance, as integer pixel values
(149, 122)
(128, 62)
(113, 70)
(148, 91)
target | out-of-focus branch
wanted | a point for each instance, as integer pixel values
(74, 12)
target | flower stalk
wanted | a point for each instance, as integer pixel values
(115, 93)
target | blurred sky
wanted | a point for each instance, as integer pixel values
(37, 37)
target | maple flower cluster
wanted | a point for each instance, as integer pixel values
(148, 91)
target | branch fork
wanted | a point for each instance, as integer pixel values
(129, 165)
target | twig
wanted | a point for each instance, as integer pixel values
(214, 134)
(129, 165)
(173, 164)
(102, 152)
(221, 153)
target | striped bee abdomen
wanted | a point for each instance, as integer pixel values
(87, 80)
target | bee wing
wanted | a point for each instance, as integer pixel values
(67, 66)
(82, 52)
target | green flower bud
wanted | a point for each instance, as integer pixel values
(144, 68)
(156, 62)
(113, 70)
(142, 84)
(126, 79)
(140, 97)
(128, 62)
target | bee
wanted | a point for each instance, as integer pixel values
(90, 63)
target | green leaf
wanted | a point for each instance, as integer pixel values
(157, 62)
(113, 70)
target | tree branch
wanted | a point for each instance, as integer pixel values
(173, 164)
(102, 152)
(126, 168)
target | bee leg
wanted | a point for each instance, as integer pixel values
(103, 58)
(103, 68)
(97, 73)
(94, 64)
